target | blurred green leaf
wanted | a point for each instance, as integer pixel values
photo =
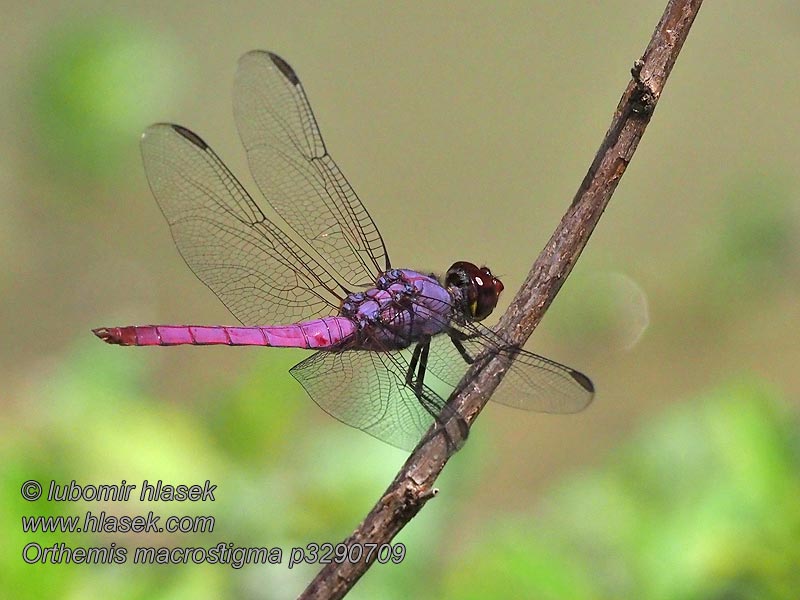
(511, 561)
(700, 505)
(757, 232)
(95, 86)
(751, 252)
(257, 421)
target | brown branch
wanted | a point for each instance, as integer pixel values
(413, 485)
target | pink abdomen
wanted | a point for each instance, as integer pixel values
(321, 333)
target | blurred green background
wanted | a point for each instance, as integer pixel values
(466, 130)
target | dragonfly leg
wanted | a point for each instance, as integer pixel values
(415, 376)
(430, 401)
(415, 379)
(412, 366)
(423, 366)
(461, 350)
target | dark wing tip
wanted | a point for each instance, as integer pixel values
(284, 68)
(583, 381)
(191, 136)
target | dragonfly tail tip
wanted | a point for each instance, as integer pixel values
(107, 335)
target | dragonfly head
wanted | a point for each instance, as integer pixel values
(479, 288)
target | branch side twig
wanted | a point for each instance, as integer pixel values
(413, 485)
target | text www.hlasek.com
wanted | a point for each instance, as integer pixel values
(103, 523)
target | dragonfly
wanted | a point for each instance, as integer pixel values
(391, 344)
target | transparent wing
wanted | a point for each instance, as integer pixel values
(295, 173)
(532, 383)
(261, 275)
(367, 390)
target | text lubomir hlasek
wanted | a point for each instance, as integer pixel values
(157, 491)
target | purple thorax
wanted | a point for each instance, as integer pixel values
(403, 308)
